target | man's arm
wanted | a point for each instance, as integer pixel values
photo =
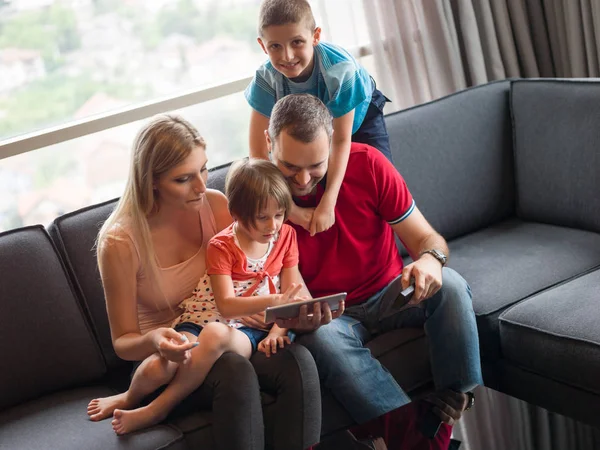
(418, 236)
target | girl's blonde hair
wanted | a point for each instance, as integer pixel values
(249, 185)
(162, 144)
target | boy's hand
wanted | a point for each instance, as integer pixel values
(301, 216)
(269, 344)
(323, 218)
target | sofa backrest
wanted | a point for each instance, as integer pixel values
(216, 177)
(455, 154)
(75, 236)
(557, 151)
(46, 344)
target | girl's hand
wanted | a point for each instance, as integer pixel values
(172, 346)
(323, 218)
(255, 321)
(269, 344)
(290, 295)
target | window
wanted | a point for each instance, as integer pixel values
(65, 60)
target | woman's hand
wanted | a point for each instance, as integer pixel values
(172, 346)
(269, 344)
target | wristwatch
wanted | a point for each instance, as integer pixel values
(437, 255)
(471, 401)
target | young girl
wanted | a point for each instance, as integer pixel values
(261, 254)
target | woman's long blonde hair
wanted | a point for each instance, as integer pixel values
(163, 143)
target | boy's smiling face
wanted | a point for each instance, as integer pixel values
(291, 48)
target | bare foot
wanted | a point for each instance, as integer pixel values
(101, 408)
(128, 421)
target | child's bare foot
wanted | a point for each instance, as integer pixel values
(101, 408)
(128, 421)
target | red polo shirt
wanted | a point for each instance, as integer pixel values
(358, 254)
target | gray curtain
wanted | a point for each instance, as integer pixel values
(500, 422)
(425, 49)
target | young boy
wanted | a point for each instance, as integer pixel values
(300, 63)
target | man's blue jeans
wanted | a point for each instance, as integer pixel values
(361, 384)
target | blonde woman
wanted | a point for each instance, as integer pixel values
(151, 254)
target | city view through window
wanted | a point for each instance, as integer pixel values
(64, 60)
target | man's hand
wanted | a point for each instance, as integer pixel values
(301, 216)
(427, 273)
(448, 405)
(290, 295)
(269, 344)
(321, 315)
(323, 218)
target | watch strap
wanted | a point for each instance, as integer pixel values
(441, 257)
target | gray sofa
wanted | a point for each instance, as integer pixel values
(507, 172)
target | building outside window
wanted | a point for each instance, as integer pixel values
(69, 60)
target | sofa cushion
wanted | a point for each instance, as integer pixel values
(513, 260)
(557, 157)
(556, 333)
(455, 155)
(47, 344)
(59, 421)
(75, 237)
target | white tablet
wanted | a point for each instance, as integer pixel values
(291, 310)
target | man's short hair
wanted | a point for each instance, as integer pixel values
(249, 185)
(302, 116)
(282, 12)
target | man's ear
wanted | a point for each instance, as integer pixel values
(262, 45)
(316, 36)
(268, 138)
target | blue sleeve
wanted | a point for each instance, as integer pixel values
(260, 93)
(349, 87)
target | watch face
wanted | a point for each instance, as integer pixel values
(439, 255)
(471, 401)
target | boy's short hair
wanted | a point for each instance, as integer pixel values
(282, 12)
(302, 116)
(249, 185)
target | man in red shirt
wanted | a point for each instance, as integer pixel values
(358, 255)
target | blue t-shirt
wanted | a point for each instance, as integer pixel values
(337, 79)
